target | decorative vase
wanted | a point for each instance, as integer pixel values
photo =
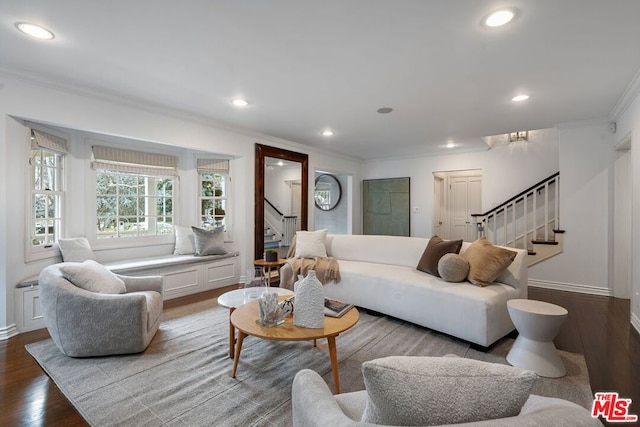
(309, 311)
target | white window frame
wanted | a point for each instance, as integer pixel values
(49, 249)
(150, 218)
(129, 241)
(226, 197)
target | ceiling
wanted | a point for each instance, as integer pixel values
(306, 65)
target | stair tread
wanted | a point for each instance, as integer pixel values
(544, 242)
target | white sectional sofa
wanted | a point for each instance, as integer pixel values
(379, 273)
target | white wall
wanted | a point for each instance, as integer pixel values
(586, 173)
(629, 124)
(506, 170)
(72, 109)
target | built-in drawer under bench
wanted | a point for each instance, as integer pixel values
(183, 275)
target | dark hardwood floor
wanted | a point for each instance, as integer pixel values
(597, 327)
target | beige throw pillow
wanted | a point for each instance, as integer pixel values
(486, 261)
(92, 277)
(422, 391)
(435, 249)
(311, 244)
(453, 268)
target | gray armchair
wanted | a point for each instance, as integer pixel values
(314, 405)
(84, 323)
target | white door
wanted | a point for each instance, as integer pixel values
(438, 228)
(465, 198)
(296, 201)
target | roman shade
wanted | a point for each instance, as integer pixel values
(213, 166)
(43, 140)
(130, 161)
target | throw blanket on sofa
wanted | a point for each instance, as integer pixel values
(327, 269)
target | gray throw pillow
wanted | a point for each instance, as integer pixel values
(93, 277)
(208, 242)
(76, 249)
(453, 268)
(435, 249)
(422, 391)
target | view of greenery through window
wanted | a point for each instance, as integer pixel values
(133, 205)
(46, 197)
(213, 200)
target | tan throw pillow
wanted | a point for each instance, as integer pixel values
(92, 277)
(311, 244)
(486, 261)
(435, 249)
(422, 391)
(453, 268)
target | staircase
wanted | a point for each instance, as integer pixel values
(529, 220)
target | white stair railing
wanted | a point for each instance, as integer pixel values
(532, 215)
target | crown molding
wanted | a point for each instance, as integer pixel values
(200, 119)
(583, 123)
(627, 98)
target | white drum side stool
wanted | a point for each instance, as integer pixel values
(538, 324)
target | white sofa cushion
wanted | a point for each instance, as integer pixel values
(409, 390)
(93, 277)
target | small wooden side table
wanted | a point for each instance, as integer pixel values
(268, 266)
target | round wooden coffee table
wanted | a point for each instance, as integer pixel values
(244, 318)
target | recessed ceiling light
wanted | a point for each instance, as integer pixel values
(385, 110)
(520, 98)
(327, 132)
(450, 145)
(499, 18)
(239, 102)
(35, 31)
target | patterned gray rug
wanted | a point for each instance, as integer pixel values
(183, 378)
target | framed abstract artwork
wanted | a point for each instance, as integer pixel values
(386, 207)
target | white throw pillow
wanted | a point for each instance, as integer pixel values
(209, 242)
(76, 249)
(93, 277)
(311, 244)
(410, 390)
(185, 243)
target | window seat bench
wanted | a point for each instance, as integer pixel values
(183, 275)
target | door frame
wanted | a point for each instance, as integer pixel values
(622, 257)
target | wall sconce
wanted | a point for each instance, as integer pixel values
(522, 135)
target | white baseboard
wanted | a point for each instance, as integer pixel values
(8, 332)
(571, 287)
(635, 322)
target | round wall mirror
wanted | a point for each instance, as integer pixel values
(328, 192)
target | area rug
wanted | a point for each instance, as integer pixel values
(183, 378)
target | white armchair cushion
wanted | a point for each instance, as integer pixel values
(311, 244)
(185, 241)
(76, 249)
(410, 391)
(93, 277)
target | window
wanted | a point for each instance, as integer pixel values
(47, 196)
(214, 194)
(135, 193)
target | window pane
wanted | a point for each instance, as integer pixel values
(128, 184)
(49, 179)
(165, 187)
(51, 206)
(141, 206)
(39, 206)
(105, 183)
(127, 206)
